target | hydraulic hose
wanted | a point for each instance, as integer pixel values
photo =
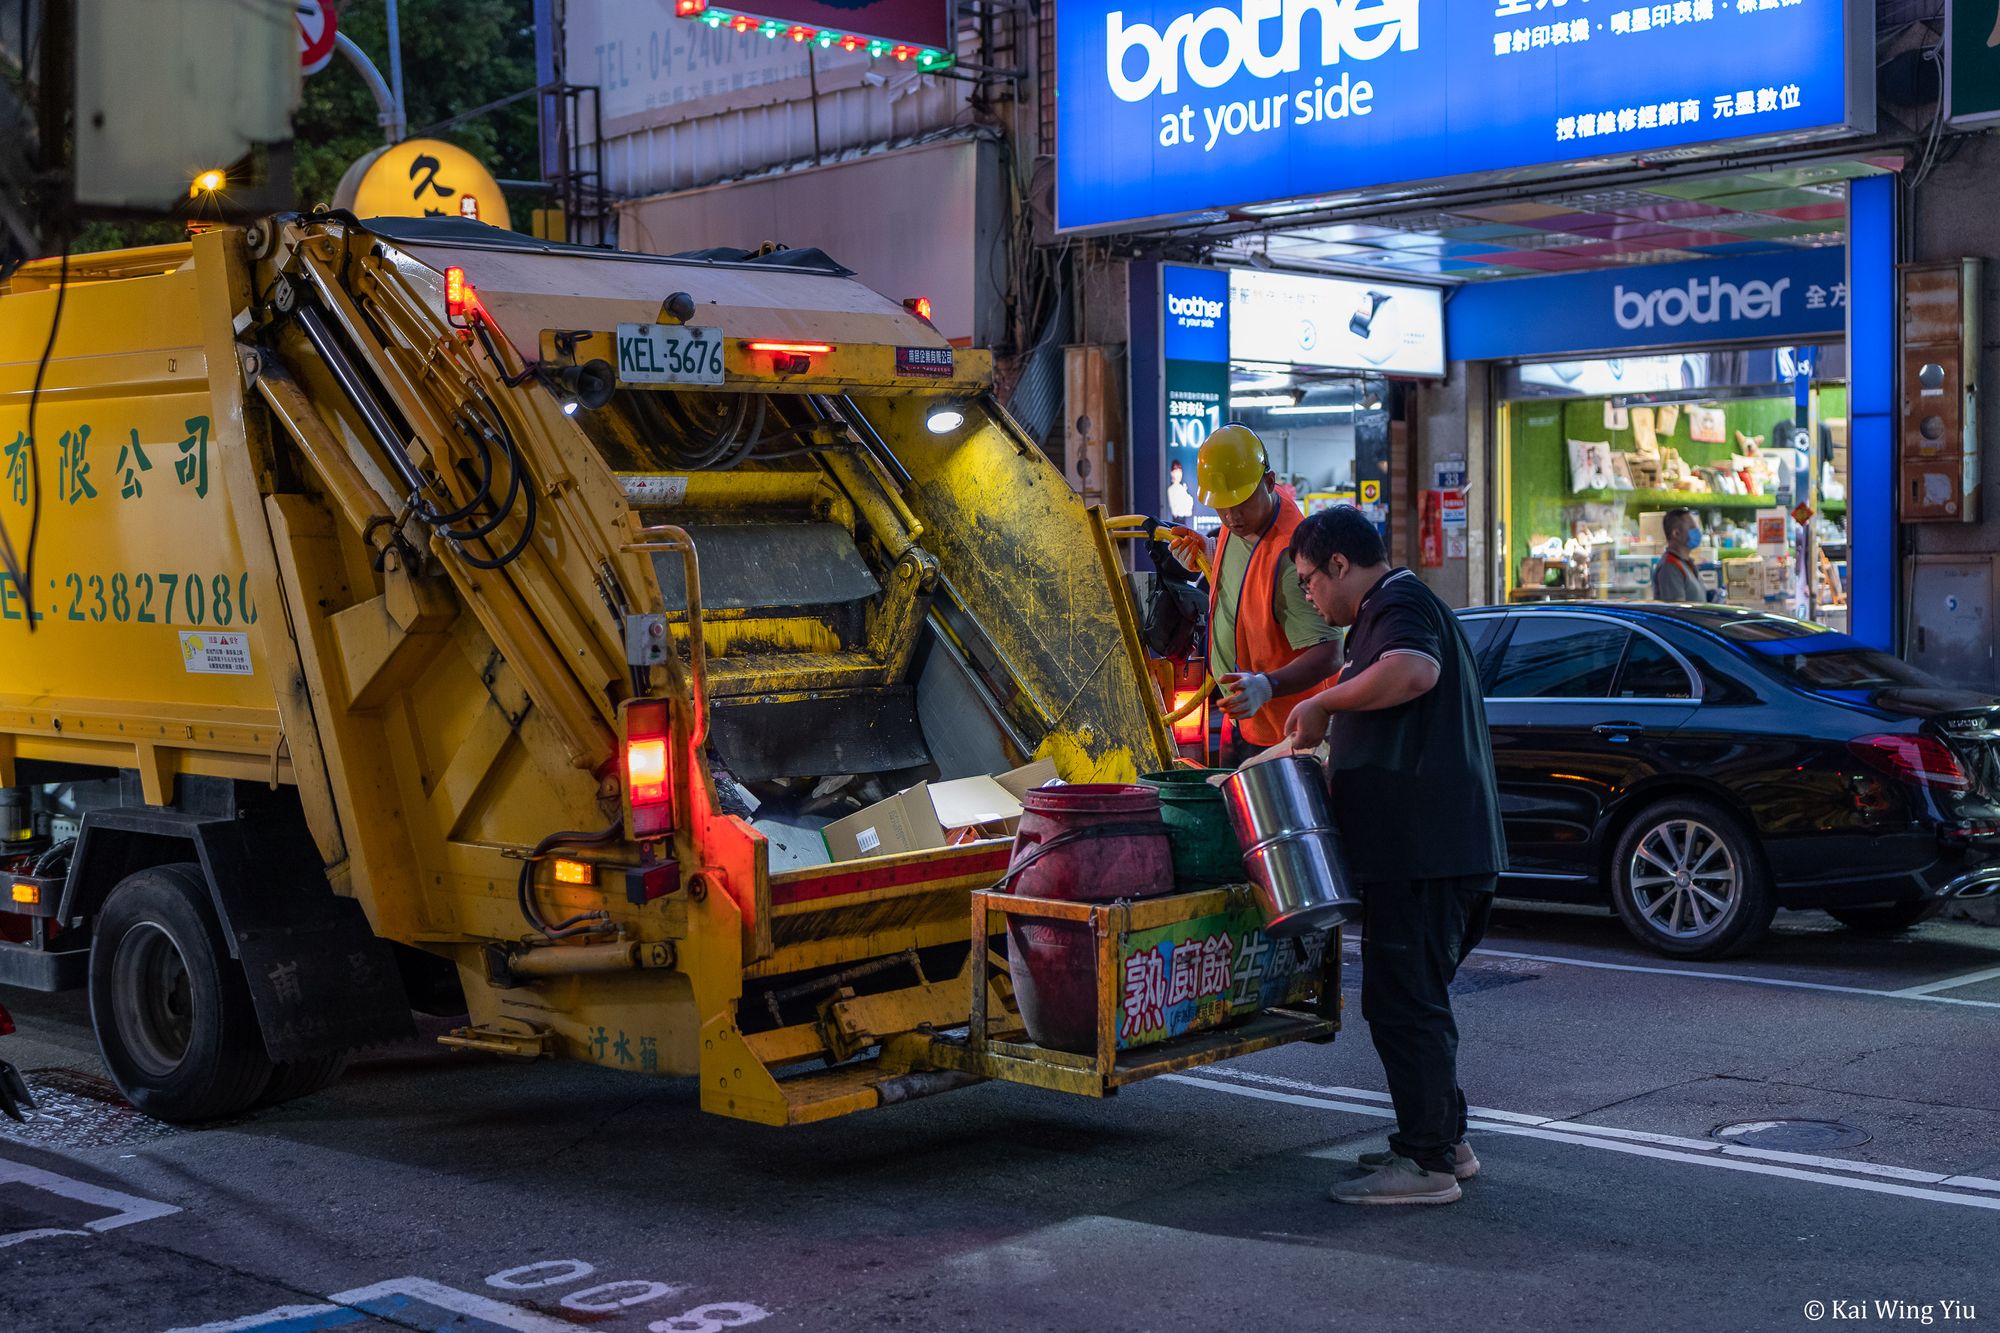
(583, 923)
(482, 425)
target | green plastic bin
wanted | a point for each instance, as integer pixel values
(1205, 849)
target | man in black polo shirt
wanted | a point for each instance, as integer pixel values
(1414, 798)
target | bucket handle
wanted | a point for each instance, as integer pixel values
(1127, 829)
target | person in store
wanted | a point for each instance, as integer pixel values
(1267, 647)
(1180, 500)
(1675, 578)
(1414, 797)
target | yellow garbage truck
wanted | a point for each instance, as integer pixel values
(407, 614)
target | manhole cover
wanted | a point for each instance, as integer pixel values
(1792, 1135)
(78, 1110)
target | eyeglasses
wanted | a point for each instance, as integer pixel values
(1306, 580)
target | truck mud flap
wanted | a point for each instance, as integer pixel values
(326, 987)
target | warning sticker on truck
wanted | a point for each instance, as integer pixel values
(651, 489)
(208, 653)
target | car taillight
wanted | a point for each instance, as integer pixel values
(1922, 760)
(1966, 830)
(648, 793)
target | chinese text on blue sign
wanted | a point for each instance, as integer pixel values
(1168, 108)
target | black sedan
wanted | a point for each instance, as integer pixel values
(1703, 766)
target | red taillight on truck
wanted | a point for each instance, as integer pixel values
(648, 791)
(1922, 760)
(1191, 727)
(459, 300)
(646, 768)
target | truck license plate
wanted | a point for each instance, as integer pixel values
(669, 354)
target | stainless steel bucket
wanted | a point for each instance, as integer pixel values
(1278, 809)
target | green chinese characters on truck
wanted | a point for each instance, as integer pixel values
(1191, 975)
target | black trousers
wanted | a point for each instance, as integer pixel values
(1414, 934)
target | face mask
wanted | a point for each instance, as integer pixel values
(1693, 538)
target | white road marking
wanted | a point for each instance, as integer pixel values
(1610, 1131)
(1914, 993)
(39, 1233)
(610, 1296)
(532, 1277)
(1949, 983)
(1666, 1147)
(125, 1209)
(394, 1300)
(381, 1300)
(465, 1303)
(282, 1314)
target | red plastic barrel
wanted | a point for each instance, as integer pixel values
(1055, 962)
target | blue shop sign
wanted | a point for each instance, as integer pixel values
(1169, 108)
(1793, 294)
(1195, 316)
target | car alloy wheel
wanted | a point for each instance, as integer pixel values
(1684, 879)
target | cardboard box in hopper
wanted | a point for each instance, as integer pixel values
(937, 814)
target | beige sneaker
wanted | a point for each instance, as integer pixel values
(1464, 1166)
(1401, 1181)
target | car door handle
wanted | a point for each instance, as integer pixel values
(1617, 731)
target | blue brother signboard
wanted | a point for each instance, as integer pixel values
(1194, 332)
(1168, 108)
(1791, 294)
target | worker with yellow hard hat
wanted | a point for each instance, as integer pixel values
(1267, 647)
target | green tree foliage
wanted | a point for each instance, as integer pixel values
(457, 55)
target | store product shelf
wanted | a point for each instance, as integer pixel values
(1698, 500)
(1681, 499)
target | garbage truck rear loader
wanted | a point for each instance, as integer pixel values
(411, 613)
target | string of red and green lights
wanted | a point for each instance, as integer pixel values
(826, 39)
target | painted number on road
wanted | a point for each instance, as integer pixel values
(420, 1303)
(669, 354)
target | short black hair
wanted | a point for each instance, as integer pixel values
(1676, 520)
(1342, 530)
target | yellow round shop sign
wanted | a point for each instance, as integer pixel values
(422, 178)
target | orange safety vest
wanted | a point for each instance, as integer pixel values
(1261, 645)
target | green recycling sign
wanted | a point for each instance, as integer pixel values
(1972, 40)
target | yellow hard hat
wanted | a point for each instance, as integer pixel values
(1230, 467)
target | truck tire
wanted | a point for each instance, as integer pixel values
(174, 1019)
(293, 1079)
